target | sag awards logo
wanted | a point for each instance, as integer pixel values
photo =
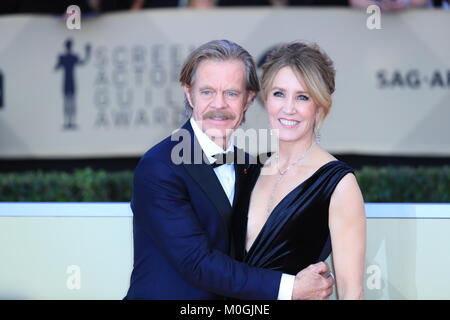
(134, 85)
(67, 62)
(413, 79)
(137, 86)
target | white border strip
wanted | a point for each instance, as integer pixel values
(122, 209)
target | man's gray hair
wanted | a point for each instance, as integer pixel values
(219, 50)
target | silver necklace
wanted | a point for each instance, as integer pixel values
(281, 175)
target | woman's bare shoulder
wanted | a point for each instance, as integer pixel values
(322, 157)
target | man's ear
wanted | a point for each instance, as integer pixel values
(187, 93)
(250, 97)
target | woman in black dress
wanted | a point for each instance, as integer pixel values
(300, 203)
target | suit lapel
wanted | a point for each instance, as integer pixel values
(206, 179)
(239, 218)
(246, 175)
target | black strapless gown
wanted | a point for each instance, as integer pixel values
(296, 234)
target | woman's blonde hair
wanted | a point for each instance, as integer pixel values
(308, 61)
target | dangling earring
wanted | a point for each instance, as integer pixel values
(318, 137)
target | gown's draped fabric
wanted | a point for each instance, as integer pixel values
(296, 234)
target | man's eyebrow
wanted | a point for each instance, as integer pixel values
(235, 90)
(211, 88)
(205, 87)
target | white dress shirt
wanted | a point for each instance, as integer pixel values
(226, 175)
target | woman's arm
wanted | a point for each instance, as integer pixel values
(347, 222)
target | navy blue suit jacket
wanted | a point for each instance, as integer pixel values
(181, 232)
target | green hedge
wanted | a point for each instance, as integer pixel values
(387, 184)
(81, 186)
(405, 184)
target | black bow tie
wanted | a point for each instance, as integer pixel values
(223, 158)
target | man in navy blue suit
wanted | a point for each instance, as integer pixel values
(184, 189)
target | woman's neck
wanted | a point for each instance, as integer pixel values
(290, 151)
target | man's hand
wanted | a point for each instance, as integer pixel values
(313, 283)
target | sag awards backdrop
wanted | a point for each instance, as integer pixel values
(111, 88)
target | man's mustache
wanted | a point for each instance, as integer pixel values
(219, 114)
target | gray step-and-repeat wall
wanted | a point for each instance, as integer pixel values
(119, 73)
